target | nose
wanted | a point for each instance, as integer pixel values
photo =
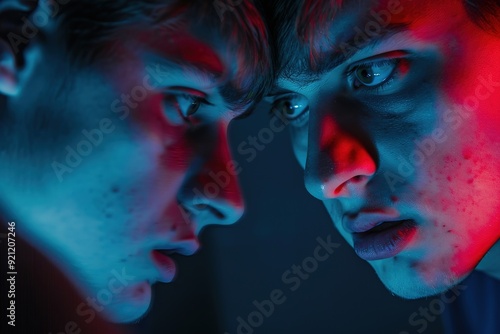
(211, 193)
(338, 164)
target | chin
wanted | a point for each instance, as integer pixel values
(408, 283)
(130, 308)
(127, 314)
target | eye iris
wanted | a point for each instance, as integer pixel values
(193, 107)
(288, 108)
(366, 76)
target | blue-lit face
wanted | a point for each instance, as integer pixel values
(112, 167)
(401, 141)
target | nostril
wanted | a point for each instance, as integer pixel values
(353, 180)
(201, 206)
(357, 179)
(217, 213)
(337, 191)
(206, 207)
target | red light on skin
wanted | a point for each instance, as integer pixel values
(191, 50)
(187, 49)
(466, 259)
(218, 177)
(165, 139)
(176, 224)
(328, 130)
(404, 66)
(351, 162)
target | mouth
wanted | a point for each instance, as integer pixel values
(164, 265)
(384, 239)
(163, 262)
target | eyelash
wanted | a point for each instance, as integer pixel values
(401, 66)
(173, 100)
(397, 62)
(297, 122)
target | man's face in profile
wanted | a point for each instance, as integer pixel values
(396, 124)
(121, 162)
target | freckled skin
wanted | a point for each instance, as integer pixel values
(452, 192)
(122, 201)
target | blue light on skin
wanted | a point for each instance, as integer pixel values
(421, 145)
(103, 217)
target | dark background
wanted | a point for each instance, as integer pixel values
(243, 263)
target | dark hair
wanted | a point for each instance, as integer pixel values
(90, 26)
(297, 23)
(485, 13)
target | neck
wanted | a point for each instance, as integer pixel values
(490, 264)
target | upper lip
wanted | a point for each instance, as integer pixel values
(367, 219)
(183, 247)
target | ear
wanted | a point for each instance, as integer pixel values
(9, 82)
(11, 14)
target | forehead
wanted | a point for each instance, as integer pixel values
(355, 25)
(190, 50)
(202, 56)
(397, 11)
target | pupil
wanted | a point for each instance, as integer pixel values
(366, 76)
(193, 108)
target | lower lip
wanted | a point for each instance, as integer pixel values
(165, 266)
(385, 244)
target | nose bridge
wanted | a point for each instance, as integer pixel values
(338, 161)
(213, 193)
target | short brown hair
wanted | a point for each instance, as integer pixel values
(91, 23)
(88, 26)
(297, 23)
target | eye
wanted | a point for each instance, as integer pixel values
(188, 105)
(373, 74)
(293, 107)
(182, 107)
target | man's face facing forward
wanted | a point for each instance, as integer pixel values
(398, 136)
(122, 159)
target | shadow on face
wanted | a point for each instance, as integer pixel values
(395, 123)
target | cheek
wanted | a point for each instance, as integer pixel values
(458, 199)
(164, 139)
(128, 181)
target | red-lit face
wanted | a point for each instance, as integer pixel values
(401, 141)
(112, 167)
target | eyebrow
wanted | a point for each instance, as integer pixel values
(339, 53)
(222, 79)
